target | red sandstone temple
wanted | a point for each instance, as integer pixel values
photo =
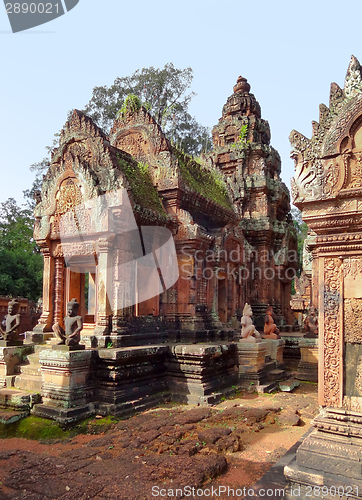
(229, 214)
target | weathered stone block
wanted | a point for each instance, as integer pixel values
(251, 359)
(130, 379)
(202, 373)
(10, 358)
(329, 456)
(308, 366)
(66, 377)
(274, 349)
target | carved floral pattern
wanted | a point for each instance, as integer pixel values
(353, 322)
(69, 198)
(356, 172)
(352, 267)
(331, 178)
(332, 350)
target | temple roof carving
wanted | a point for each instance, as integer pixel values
(326, 163)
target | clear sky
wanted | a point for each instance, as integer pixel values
(290, 52)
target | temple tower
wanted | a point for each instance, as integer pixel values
(251, 166)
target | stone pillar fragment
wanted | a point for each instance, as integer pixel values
(67, 388)
(251, 363)
(308, 365)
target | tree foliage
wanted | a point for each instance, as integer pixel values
(21, 263)
(164, 93)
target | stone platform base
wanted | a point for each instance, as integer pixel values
(130, 408)
(17, 399)
(66, 388)
(126, 377)
(308, 366)
(328, 458)
(275, 349)
(291, 353)
(304, 485)
(201, 373)
(251, 358)
(65, 416)
(37, 337)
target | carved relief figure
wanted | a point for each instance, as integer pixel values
(270, 328)
(12, 322)
(73, 326)
(311, 323)
(248, 330)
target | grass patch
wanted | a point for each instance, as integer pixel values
(33, 428)
(41, 429)
(143, 191)
(209, 183)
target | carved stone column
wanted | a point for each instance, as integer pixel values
(46, 318)
(59, 290)
(105, 286)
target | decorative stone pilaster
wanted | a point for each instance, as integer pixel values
(46, 318)
(67, 387)
(327, 188)
(59, 290)
(105, 289)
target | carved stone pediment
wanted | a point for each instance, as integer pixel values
(329, 165)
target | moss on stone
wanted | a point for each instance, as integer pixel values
(143, 191)
(33, 428)
(208, 183)
(41, 429)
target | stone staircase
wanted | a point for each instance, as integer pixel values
(17, 400)
(29, 378)
(274, 376)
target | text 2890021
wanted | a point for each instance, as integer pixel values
(32, 8)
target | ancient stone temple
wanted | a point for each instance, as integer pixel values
(251, 167)
(327, 188)
(229, 217)
(158, 247)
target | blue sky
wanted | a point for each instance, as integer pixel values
(290, 53)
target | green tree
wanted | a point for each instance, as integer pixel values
(301, 229)
(21, 264)
(165, 93)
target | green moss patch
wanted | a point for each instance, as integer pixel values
(33, 428)
(44, 430)
(143, 191)
(209, 183)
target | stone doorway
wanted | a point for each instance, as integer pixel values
(80, 283)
